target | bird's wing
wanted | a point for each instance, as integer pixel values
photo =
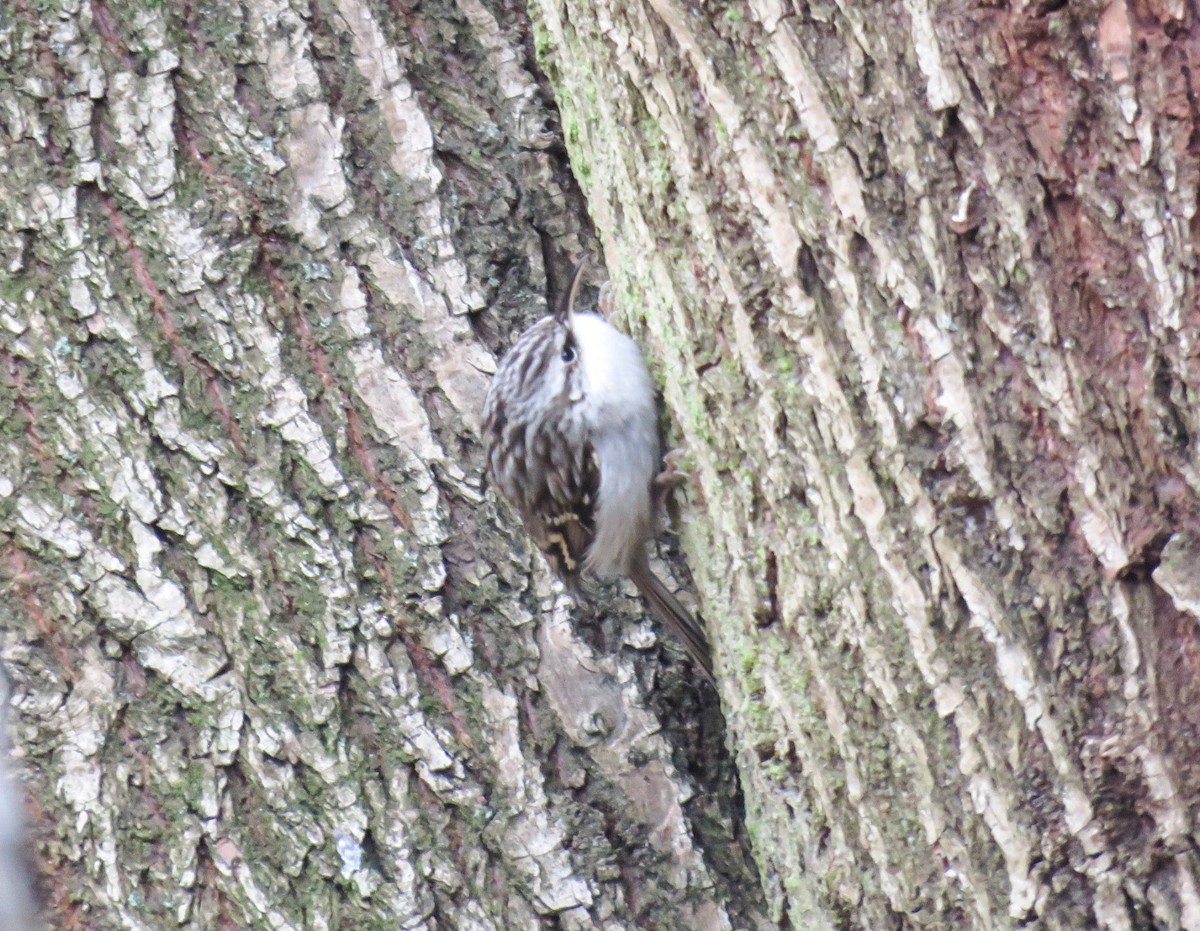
(561, 513)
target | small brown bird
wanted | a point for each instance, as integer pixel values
(572, 444)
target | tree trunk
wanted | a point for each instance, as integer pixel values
(921, 281)
(918, 285)
(279, 660)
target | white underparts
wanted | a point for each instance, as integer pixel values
(622, 425)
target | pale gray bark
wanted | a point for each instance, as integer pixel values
(279, 660)
(921, 281)
(918, 281)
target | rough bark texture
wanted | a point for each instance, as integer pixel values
(278, 659)
(921, 279)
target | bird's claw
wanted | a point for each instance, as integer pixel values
(671, 476)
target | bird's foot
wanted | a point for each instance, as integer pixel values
(670, 478)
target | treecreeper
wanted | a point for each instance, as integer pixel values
(571, 432)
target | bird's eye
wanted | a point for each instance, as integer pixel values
(568, 354)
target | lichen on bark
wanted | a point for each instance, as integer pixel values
(928, 339)
(278, 659)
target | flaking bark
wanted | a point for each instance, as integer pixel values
(279, 660)
(920, 279)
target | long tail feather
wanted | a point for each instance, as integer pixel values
(674, 617)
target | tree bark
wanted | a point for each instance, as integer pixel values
(918, 284)
(279, 660)
(921, 281)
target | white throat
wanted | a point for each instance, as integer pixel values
(613, 368)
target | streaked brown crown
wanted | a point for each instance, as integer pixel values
(538, 453)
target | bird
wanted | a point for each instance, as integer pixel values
(570, 427)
